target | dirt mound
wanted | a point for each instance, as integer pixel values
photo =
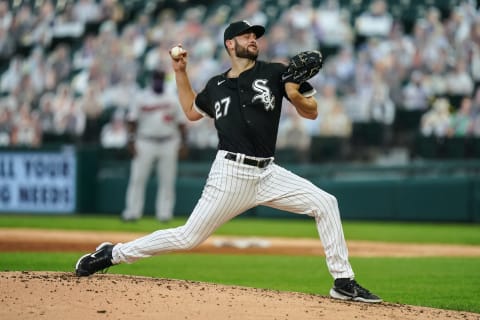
(53, 295)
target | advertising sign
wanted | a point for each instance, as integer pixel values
(38, 181)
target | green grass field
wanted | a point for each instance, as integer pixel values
(448, 283)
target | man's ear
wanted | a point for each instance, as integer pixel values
(229, 43)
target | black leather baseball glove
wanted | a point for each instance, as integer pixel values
(303, 66)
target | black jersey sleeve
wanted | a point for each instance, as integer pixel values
(203, 101)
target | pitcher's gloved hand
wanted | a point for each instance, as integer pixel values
(303, 66)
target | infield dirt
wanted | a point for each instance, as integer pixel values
(55, 295)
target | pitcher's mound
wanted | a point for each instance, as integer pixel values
(54, 295)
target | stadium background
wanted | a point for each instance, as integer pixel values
(67, 68)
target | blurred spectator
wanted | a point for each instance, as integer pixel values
(332, 26)
(63, 97)
(7, 44)
(71, 121)
(397, 62)
(9, 102)
(202, 134)
(85, 11)
(476, 114)
(42, 32)
(155, 57)
(336, 123)
(357, 99)
(432, 21)
(112, 10)
(133, 42)
(344, 69)
(163, 29)
(291, 133)
(300, 16)
(190, 27)
(436, 121)
(114, 134)
(47, 114)
(381, 106)
(22, 27)
(11, 77)
(91, 105)
(459, 22)
(65, 25)
(6, 16)
(60, 62)
(120, 95)
(376, 22)
(5, 126)
(25, 92)
(327, 98)
(84, 57)
(36, 66)
(142, 24)
(215, 22)
(435, 81)
(352, 105)
(205, 66)
(26, 130)
(461, 120)
(436, 46)
(252, 12)
(473, 48)
(118, 62)
(68, 117)
(301, 40)
(382, 109)
(459, 82)
(94, 73)
(203, 49)
(278, 47)
(415, 97)
(403, 48)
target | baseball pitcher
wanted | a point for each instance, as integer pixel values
(245, 102)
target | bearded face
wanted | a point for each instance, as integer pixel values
(247, 51)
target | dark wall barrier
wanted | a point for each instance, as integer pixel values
(429, 192)
(420, 199)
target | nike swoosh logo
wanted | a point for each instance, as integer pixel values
(285, 77)
(220, 82)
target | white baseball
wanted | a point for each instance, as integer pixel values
(176, 52)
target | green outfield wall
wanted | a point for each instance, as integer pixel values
(446, 191)
(430, 191)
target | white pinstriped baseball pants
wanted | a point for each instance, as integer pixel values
(233, 188)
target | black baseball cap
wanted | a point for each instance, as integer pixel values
(240, 27)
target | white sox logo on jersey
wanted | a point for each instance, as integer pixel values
(264, 94)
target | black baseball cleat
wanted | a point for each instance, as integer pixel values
(99, 260)
(348, 289)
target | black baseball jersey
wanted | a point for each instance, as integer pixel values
(246, 109)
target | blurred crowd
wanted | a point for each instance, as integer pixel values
(71, 68)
